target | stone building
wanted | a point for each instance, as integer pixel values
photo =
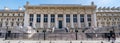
(11, 18)
(107, 16)
(60, 16)
(48, 16)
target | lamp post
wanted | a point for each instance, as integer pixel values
(76, 31)
(6, 35)
(44, 34)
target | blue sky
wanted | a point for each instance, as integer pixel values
(14, 4)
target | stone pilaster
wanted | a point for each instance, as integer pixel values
(56, 21)
(71, 20)
(49, 20)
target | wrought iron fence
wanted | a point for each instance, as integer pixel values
(55, 36)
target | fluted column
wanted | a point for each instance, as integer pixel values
(86, 21)
(71, 20)
(26, 19)
(56, 21)
(78, 21)
(34, 21)
(42, 20)
(64, 16)
(49, 20)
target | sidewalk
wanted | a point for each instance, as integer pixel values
(57, 41)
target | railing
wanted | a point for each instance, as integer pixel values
(56, 36)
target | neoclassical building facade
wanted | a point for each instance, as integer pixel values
(60, 16)
(11, 18)
(107, 16)
(45, 16)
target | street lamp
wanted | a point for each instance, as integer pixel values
(44, 34)
(6, 35)
(76, 31)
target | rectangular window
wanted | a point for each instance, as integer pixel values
(17, 24)
(13, 14)
(31, 17)
(75, 18)
(22, 24)
(89, 24)
(60, 15)
(52, 18)
(2, 14)
(6, 24)
(67, 17)
(89, 17)
(0, 24)
(82, 18)
(45, 18)
(38, 17)
(19, 14)
(18, 19)
(11, 24)
(30, 24)
(8, 14)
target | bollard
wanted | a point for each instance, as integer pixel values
(101, 41)
(70, 41)
(112, 42)
(50, 42)
(81, 42)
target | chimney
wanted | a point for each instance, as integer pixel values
(20, 8)
(92, 3)
(27, 3)
(6, 8)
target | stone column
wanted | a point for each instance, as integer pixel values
(100, 25)
(3, 25)
(34, 21)
(9, 24)
(110, 23)
(86, 21)
(56, 21)
(26, 19)
(20, 24)
(49, 20)
(42, 21)
(105, 23)
(116, 23)
(94, 21)
(71, 20)
(78, 21)
(15, 24)
(64, 16)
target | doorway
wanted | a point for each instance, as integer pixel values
(60, 24)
